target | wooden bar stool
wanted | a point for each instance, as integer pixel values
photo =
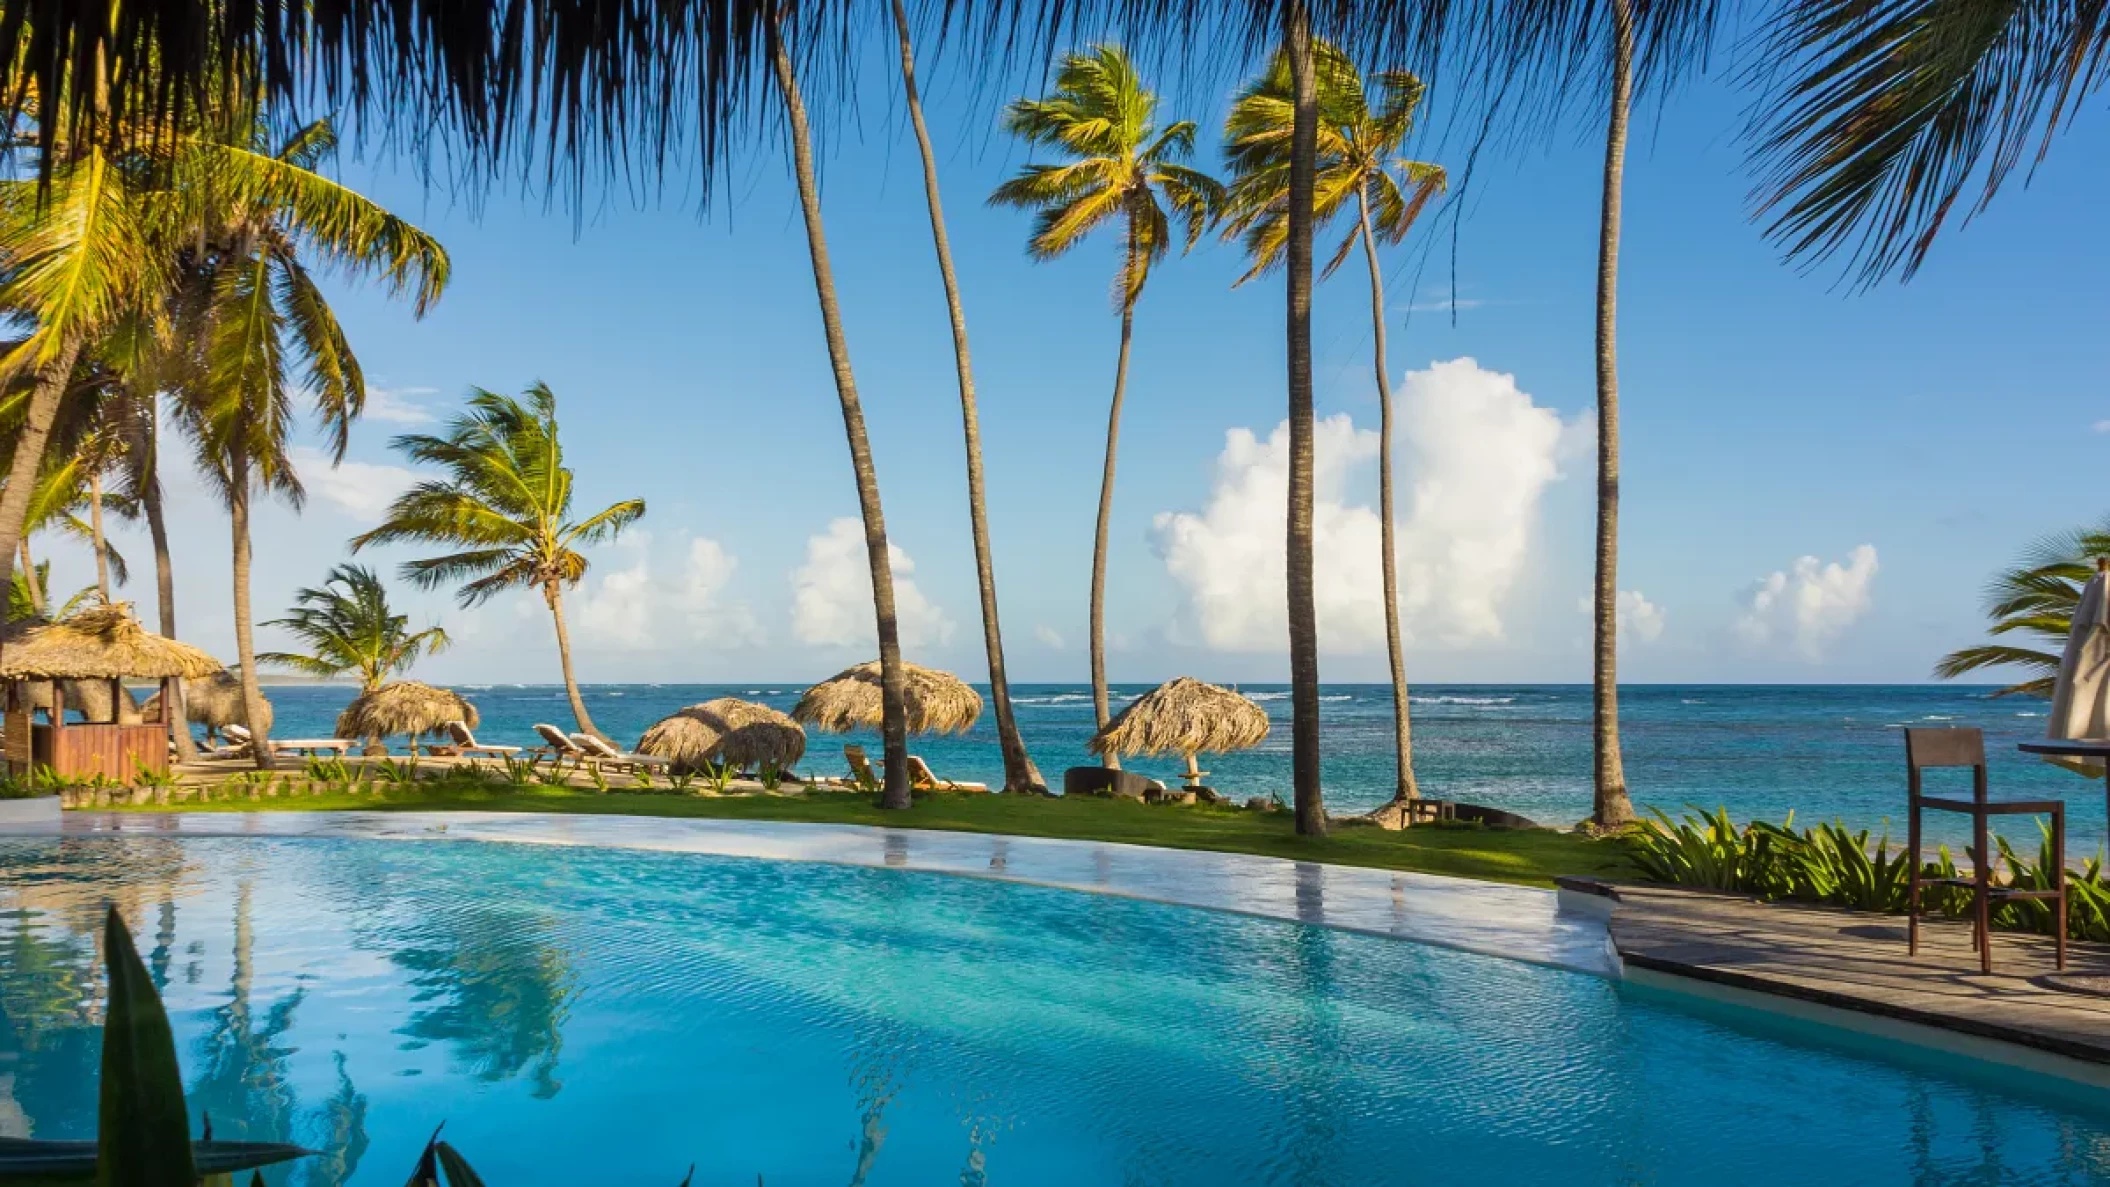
(1929, 748)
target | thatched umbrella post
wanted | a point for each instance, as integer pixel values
(1185, 717)
(937, 702)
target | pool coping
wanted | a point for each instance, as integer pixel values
(1542, 927)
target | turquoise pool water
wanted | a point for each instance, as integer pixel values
(598, 1016)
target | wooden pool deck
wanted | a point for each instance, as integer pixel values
(1856, 961)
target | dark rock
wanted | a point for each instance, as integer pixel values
(1101, 781)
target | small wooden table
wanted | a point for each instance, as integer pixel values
(2096, 748)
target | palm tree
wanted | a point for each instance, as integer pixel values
(1357, 160)
(893, 729)
(1124, 166)
(1020, 775)
(1307, 791)
(506, 505)
(261, 210)
(349, 626)
(1889, 119)
(2035, 599)
(1610, 806)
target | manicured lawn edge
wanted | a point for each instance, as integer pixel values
(1524, 857)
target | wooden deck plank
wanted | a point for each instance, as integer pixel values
(1857, 961)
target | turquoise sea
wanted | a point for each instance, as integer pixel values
(1821, 751)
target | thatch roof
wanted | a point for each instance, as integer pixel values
(214, 702)
(1183, 716)
(101, 643)
(403, 707)
(938, 702)
(728, 729)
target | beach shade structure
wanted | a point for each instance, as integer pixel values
(214, 702)
(726, 730)
(1186, 717)
(93, 699)
(406, 707)
(2080, 694)
(106, 645)
(938, 702)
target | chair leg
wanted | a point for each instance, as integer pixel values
(1912, 905)
(1981, 890)
(2058, 857)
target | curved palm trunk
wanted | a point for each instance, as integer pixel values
(95, 528)
(893, 703)
(29, 578)
(165, 593)
(553, 593)
(244, 632)
(1611, 804)
(1402, 732)
(1303, 612)
(29, 457)
(1020, 775)
(1106, 493)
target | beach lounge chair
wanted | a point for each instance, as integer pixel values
(598, 753)
(862, 777)
(461, 740)
(556, 746)
(922, 778)
(337, 746)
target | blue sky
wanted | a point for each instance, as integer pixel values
(1910, 439)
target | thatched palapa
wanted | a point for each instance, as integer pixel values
(938, 702)
(90, 698)
(214, 702)
(101, 643)
(726, 730)
(403, 707)
(1183, 716)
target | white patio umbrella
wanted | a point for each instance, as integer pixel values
(2080, 697)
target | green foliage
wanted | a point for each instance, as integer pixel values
(146, 776)
(772, 775)
(388, 770)
(598, 777)
(1833, 865)
(644, 778)
(349, 627)
(327, 768)
(518, 772)
(680, 779)
(2036, 600)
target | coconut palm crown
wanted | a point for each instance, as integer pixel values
(2035, 599)
(1358, 159)
(348, 626)
(506, 504)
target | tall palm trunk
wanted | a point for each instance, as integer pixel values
(893, 727)
(553, 593)
(1402, 733)
(1133, 261)
(29, 578)
(1020, 774)
(244, 632)
(165, 589)
(29, 457)
(95, 529)
(1611, 805)
(1303, 613)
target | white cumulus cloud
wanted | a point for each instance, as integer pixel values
(361, 490)
(634, 608)
(832, 594)
(1473, 456)
(1808, 603)
(398, 405)
(1639, 620)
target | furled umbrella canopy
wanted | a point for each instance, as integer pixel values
(214, 702)
(403, 707)
(101, 643)
(1187, 717)
(727, 730)
(938, 702)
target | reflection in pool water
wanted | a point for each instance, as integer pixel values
(580, 1015)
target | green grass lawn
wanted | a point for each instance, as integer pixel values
(1531, 857)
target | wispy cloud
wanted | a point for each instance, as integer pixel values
(1435, 299)
(361, 490)
(399, 405)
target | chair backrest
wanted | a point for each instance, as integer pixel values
(556, 739)
(860, 766)
(595, 746)
(237, 731)
(458, 733)
(1926, 749)
(920, 774)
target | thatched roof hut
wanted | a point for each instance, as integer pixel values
(403, 707)
(728, 729)
(214, 702)
(91, 698)
(1183, 716)
(100, 643)
(938, 702)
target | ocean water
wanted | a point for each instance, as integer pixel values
(1822, 752)
(594, 1016)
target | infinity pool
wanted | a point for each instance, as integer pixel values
(600, 1016)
